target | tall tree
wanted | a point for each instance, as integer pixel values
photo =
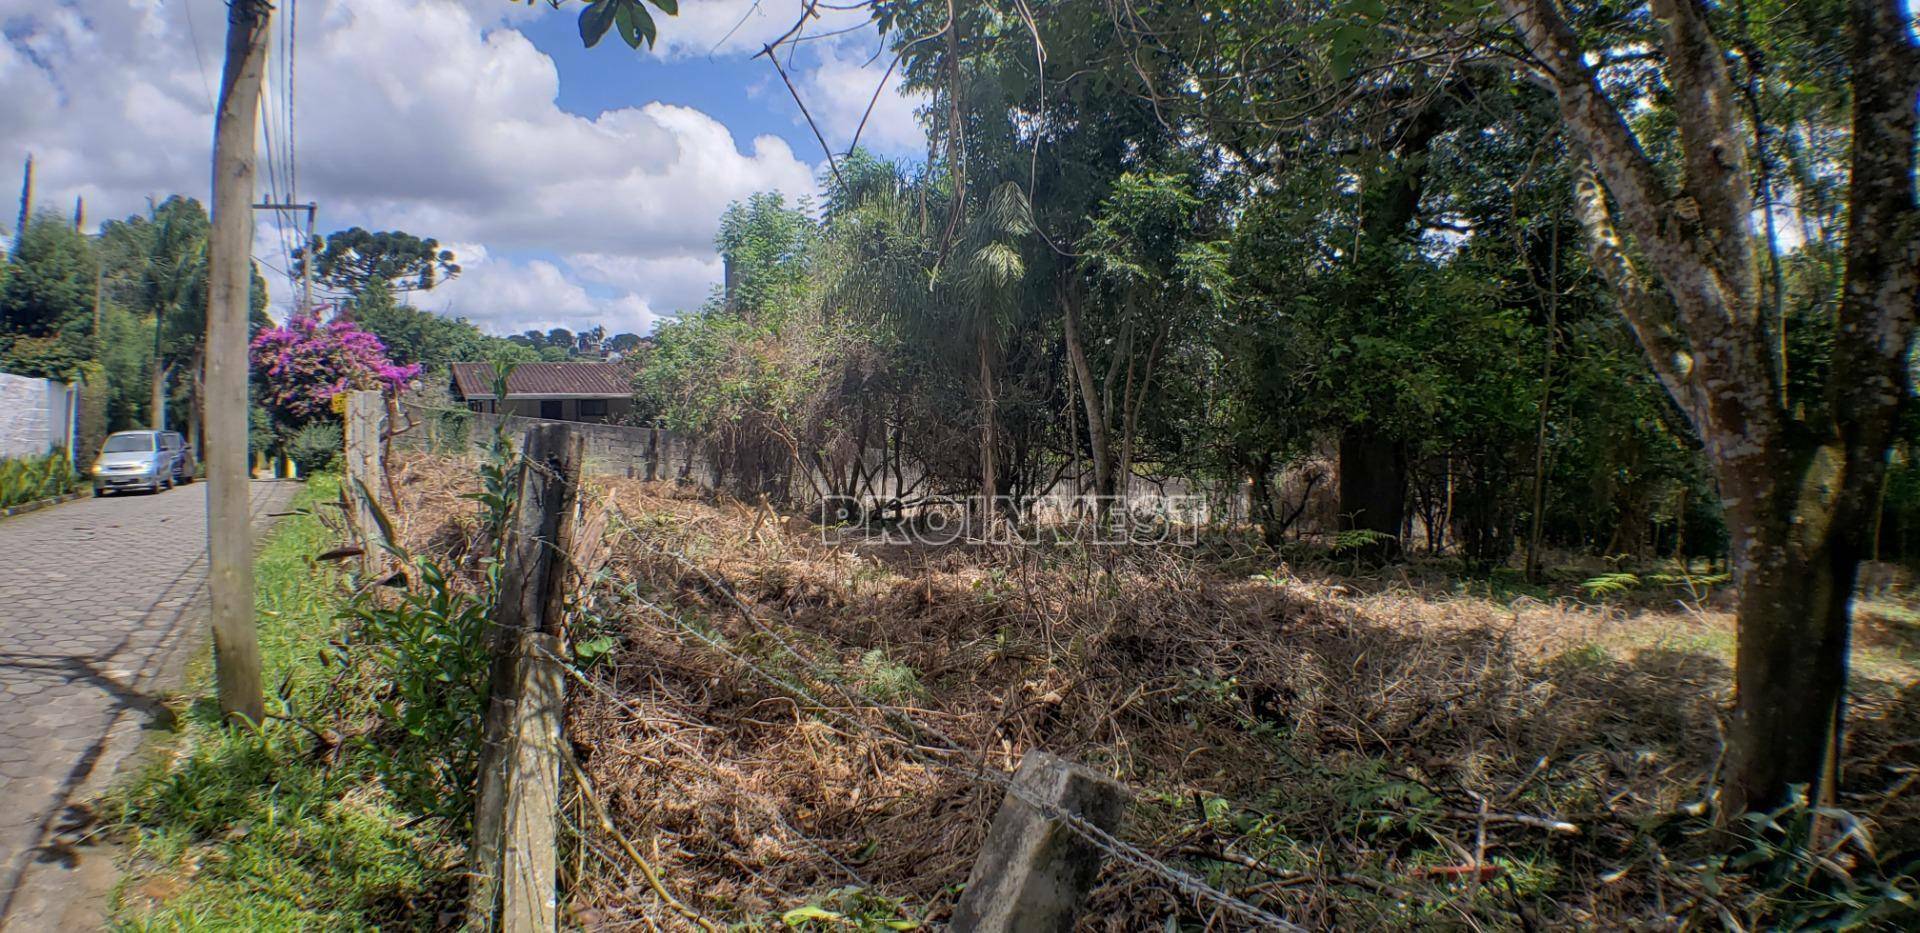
(347, 261)
(47, 300)
(1670, 226)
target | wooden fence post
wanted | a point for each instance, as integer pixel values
(653, 452)
(1034, 871)
(529, 863)
(364, 466)
(532, 591)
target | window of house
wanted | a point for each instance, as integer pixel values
(550, 409)
(593, 408)
(476, 405)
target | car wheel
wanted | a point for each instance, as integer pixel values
(99, 493)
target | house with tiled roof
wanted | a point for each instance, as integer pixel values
(591, 392)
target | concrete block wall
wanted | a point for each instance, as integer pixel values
(612, 449)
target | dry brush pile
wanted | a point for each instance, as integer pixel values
(778, 722)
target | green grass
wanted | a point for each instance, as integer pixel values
(273, 828)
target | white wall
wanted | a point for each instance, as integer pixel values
(35, 415)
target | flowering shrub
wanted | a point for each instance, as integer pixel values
(307, 362)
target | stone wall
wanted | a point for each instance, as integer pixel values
(34, 415)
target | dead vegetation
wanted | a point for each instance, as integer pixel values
(774, 721)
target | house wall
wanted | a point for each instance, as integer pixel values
(569, 409)
(35, 415)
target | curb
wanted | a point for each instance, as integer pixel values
(39, 504)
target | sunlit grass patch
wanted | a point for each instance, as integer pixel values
(284, 825)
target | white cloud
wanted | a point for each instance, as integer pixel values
(431, 116)
(719, 27)
(505, 296)
(675, 283)
(841, 88)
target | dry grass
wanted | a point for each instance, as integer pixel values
(1341, 750)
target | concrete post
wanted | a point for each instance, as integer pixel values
(1033, 872)
(364, 468)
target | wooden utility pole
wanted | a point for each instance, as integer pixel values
(230, 272)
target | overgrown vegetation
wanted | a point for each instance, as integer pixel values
(339, 812)
(1351, 749)
(30, 479)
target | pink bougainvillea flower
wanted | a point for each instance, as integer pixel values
(303, 364)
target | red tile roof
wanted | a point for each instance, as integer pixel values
(535, 380)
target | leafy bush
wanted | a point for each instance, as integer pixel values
(431, 650)
(30, 479)
(315, 447)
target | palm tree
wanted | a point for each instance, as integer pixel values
(955, 302)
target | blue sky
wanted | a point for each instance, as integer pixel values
(739, 91)
(577, 186)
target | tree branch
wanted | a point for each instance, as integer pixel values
(1649, 312)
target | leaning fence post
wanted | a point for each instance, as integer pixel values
(531, 593)
(364, 409)
(1034, 871)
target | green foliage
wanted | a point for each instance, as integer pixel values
(431, 650)
(887, 680)
(274, 827)
(851, 908)
(1807, 867)
(47, 300)
(316, 446)
(1618, 583)
(635, 23)
(349, 261)
(30, 479)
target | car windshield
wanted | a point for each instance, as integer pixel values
(124, 443)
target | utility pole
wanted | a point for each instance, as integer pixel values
(230, 271)
(305, 301)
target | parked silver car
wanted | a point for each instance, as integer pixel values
(149, 460)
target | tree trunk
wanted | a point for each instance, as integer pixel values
(157, 401)
(988, 430)
(1134, 400)
(1798, 493)
(1373, 485)
(1090, 398)
(229, 540)
(1790, 663)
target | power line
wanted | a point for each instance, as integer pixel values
(193, 35)
(293, 52)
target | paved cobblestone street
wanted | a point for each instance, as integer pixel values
(101, 603)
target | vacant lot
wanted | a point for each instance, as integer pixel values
(774, 721)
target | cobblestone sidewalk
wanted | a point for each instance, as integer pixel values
(101, 603)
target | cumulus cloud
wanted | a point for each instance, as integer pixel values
(432, 116)
(508, 296)
(842, 87)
